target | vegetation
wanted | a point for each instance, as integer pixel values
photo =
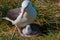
(48, 15)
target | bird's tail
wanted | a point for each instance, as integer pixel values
(6, 18)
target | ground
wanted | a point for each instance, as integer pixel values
(48, 18)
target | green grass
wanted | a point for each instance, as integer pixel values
(48, 14)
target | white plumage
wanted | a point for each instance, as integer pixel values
(28, 17)
(27, 30)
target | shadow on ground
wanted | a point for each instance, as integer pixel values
(45, 28)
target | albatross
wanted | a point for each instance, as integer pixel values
(22, 16)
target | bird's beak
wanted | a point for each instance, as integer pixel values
(22, 13)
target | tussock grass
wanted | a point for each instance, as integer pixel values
(48, 14)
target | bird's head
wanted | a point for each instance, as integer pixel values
(27, 30)
(24, 6)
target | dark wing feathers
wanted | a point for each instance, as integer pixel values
(13, 13)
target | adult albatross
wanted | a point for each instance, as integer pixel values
(22, 16)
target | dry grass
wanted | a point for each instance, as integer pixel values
(48, 14)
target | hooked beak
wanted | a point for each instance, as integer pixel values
(22, 13)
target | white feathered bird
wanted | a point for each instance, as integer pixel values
(22, 16)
